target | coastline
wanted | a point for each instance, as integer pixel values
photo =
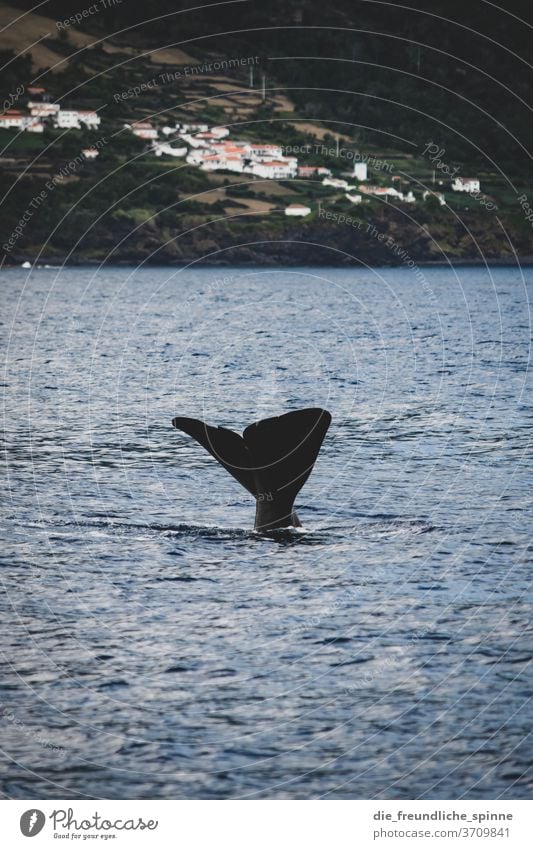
(60, 262)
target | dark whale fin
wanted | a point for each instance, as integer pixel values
(272, 460)
(225, 446)
(285, 448)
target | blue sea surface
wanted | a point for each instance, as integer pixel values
(154, 646)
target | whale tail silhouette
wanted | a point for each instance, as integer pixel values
(272, 459)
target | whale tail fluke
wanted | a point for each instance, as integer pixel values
(225, 446)
(272, 460)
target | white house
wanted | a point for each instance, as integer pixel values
(297, 209)
(360, 171)
(196, 157)
(89, 117)
(220, 132)
(353, 198)
(161, 148)
(277, 169)
(466, 184)
(267, 151)
(313, 171)
(234, 162)
(335, 182)
(73, 119)
(13, 119)
(193, 140)
(143, 130)
(192, 128)
(234, 148)
(208, 137)
(90, 152)
(207, 161)
(43, 110)
(221, 161)
(67, 119)
(34, 125)
(382, 191)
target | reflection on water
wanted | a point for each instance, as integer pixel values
(154, 645)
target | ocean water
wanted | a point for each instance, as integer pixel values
(154, 646)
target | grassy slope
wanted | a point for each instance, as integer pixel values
(164, 209)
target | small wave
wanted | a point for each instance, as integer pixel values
(182, 529)
(384, 525)
(187, 533)
(399, 527)
(378, 525)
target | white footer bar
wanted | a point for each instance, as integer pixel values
(267, 824)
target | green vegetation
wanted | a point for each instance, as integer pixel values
(375, 85)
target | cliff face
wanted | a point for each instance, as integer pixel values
(377, 240)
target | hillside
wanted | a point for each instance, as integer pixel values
(415, 96)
